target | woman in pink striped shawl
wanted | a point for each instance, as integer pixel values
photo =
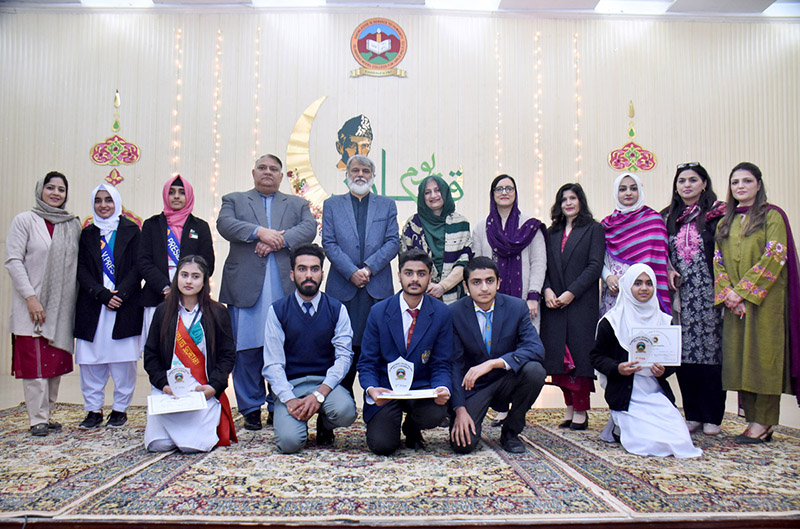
(635, 233)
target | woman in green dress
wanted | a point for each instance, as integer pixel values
(755, 269)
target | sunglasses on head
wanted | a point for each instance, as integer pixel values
(685, 165)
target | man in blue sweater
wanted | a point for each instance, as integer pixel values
(307, 352)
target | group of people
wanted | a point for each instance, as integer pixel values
(468, 325)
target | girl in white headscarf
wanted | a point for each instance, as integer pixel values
(108, 319)
(640, 399)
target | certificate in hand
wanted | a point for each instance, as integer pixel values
(161, 404)
(410, 394)
(660, 345)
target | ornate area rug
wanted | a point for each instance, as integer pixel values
(251, 481)
(565, 475)
(727, 478)
(45, 476)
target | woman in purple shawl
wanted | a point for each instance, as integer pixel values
(516, 243)
(635, 233)
(756, 279)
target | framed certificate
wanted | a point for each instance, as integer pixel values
(655, 345)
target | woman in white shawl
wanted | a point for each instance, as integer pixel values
(640, 399)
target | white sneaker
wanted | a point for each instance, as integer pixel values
(711, 429)
(693, 426)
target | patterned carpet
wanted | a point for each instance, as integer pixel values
(565, 475)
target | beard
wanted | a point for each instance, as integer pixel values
(309, 288)
(360, 187)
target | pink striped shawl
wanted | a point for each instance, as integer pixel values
(640, 237)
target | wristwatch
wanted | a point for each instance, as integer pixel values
(320, 397)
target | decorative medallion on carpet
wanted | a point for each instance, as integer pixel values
(252, 481)
(44, 476)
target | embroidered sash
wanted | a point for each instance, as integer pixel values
(173, 246)
(191, 356)
(107, 258)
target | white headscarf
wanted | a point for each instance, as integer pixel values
(639, 203)
(109, 225)
(628, 312)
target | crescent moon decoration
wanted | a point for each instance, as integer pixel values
(304, 181)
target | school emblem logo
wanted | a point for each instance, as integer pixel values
(641, 347)
(378, 45)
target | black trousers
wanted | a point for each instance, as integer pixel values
(521, 389)
(702, 393)
(383, 430)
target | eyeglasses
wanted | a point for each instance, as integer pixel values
(507, 189)
(685, 165)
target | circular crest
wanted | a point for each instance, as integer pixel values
(378, 44)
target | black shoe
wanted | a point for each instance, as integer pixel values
(94, 419)
(53, 425)
(270, 418)
(117, 419)
(511, 443)
(39, 430)
(325, 436)
(414, 440)
(566, 424)
(580, 425)
(252, 421)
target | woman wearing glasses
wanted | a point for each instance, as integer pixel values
(515, 242)
(575, 251)
(443, 234)
(692, 219)
(756, 279)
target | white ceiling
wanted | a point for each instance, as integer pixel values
(680, 8)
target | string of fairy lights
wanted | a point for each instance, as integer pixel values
(257, 121)
(538, 181)
(498, 145)
(215, 134)
(576, 64)
(176, 126)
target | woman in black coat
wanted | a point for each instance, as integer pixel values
(206, 348)
(108, 313)
(575, 250)
(166, 237)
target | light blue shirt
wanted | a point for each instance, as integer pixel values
(275, 355)
(248, 323)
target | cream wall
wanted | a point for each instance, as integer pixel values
(716, 92)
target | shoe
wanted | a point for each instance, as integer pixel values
(445, 422)
(580, 425)
(270, 418)
(512, 444)
(566, 424)
(414, 440)
(744, 439)
(94, 419)
(39, 430)
(693, 426)
(325, 436)
(252, 421)
(117, 419)
(711, 429)
(53, 425)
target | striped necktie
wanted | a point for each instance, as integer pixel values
(414, 313)
(487, 329)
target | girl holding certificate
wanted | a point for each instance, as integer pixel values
(191, 330)
(643, 416)
(756, 279)
(167, 236)
(108, 316)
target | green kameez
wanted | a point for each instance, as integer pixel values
(753, 347)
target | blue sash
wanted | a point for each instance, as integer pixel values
(173, 246)
(107, 257)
